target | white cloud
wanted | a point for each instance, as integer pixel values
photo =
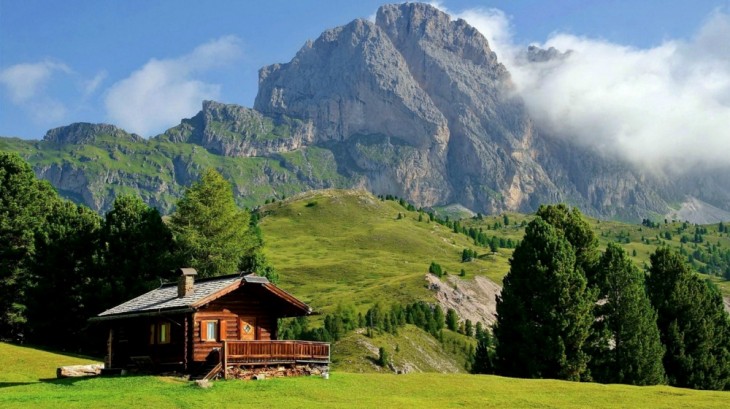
(90, 86)
(25, 85)
(162, 92)
(40, 89)
(25, 82)
(666, 106)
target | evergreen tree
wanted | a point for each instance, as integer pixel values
(211, 231)
(135, 252)
(692, 323)
(452, 320)
(629, 350)
(383, 357)
(468, 328)
(62, 272)
(544, 312)
(578, 233)
(258, 263)
(435, 269)
(438, 317)
(484, 355)
(25, 203)
(479, 331)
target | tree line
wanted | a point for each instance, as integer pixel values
(568, 311)
(61, 263)
(479, 237)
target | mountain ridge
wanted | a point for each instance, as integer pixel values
(414, 104)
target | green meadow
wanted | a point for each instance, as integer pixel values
(27, 380)
(346, 247)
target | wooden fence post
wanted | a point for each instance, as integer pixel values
(225, 359)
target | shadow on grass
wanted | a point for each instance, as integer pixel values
(11, 384)
(70, 381)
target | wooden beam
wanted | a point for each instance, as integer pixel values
(225, 359)
(109, 348)
(185, 343)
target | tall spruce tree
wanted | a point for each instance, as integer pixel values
(484, 354)
(63, 268)
(692, 322)
(25, 203)
(578, 233)
(136, 251)
(212, 232)
(630, 350)
(544, 311)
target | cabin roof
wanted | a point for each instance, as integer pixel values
(165, 298)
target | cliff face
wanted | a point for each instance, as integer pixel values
(233, 130)
(421, 107)
(416, 105)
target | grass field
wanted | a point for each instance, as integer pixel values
(348, 247)
(25, 383)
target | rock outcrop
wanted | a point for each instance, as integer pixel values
(82, 132)
(233, 130)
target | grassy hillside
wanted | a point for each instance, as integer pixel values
(28, 385)
(158, 170)
(348, 247)
(411, 350)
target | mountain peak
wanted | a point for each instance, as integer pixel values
(430, 27)
(82, 132)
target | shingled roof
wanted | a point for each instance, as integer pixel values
(165, 298)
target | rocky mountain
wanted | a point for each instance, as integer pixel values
(415, 105)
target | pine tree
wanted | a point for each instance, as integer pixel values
(468, 328)
(25, 203)
(62, 270)
(136, 251)
(578, 233)
(211, 231)
(630, 350)
(484, 355)
(452, 320)
(693, 325)
(435, 269)
(544, 312)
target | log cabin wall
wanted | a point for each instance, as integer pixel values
(247, 301)
(134, 337)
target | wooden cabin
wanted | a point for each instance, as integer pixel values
(207, 325)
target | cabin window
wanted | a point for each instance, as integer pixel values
(164, 334)
(160, 333)
(209, 330)
(213, 330)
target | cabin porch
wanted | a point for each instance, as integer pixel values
(265, 353)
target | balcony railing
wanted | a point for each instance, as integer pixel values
(269, 352)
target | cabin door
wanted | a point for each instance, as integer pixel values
(247, 328)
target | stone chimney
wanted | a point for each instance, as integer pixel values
(185, 281)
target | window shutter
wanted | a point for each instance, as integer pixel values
(203, 330)
(152, 334)
(222, 328)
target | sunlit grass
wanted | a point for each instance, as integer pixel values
(417, 390)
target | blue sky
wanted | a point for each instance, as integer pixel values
(144, 65)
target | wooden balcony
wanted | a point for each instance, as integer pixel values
(275, 352)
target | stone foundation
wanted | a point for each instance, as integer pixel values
(248, 372)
